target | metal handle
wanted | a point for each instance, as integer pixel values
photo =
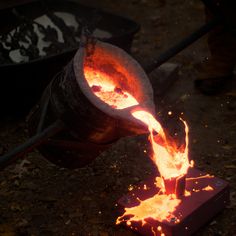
(165, 56)
(32, 143)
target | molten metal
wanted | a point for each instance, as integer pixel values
(148, 209)
(171, 162)
(104, 88)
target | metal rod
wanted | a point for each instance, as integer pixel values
(43, 116)
(32, 143)
(165, 56)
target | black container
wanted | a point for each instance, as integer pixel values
(23, 83)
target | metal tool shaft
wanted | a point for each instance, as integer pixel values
(32, 143)
(165, 56)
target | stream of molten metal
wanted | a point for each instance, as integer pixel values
(170, 161)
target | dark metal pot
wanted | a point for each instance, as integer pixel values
(90, 122)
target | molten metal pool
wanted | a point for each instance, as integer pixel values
(148, 211)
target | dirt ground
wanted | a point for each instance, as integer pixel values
(41, 199)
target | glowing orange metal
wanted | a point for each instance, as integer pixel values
(172, 162)
(104, 88)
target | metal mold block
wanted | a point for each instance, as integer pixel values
(193, 212)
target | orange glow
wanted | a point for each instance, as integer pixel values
(104, 88)
(200, 177)
(170, 161)
(160, 184)
(158, 207)
(157, 231)
(208, 188)
(187, 193)
(153, 231)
